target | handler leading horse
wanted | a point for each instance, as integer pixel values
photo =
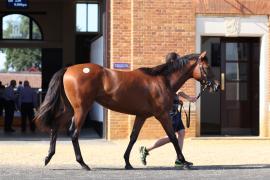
(144, 92)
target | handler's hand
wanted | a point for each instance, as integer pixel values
(181, 102)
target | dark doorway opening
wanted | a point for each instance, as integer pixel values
(234, 110)
(83, 47)
(52, 59)
(90, 43)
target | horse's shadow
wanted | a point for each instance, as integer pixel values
(206, 167)
(231, 167)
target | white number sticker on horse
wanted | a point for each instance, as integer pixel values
(86, 70)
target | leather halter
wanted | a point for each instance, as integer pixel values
(205, 83)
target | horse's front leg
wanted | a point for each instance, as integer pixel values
(75, 132)
(133, 137)
(167, 126)
(52, 146)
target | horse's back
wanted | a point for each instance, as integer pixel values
(84, 69)
(132, 92)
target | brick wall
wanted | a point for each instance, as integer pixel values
(120, 51)
(160, 27)
(240, 7)
(265, 126)
(142, 33)
(33, 78)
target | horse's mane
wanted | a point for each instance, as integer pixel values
(169, 67)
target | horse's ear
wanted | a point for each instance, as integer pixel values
(202, 55)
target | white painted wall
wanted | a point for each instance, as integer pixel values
(97, 51)
(249, 26)
(96, 57)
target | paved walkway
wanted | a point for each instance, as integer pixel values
(27, 156)
(102, 153)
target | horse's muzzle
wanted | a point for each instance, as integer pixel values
(213, 86)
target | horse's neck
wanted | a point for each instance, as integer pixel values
(178, 78)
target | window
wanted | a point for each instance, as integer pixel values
(20, 27)
(36, 34)
(87, 17)
(20, 60)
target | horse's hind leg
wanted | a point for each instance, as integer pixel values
(167, 126)
(52, 146)
(77, 122)
(71, 129)
(133, 137)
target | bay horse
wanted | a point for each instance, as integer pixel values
(143, 92)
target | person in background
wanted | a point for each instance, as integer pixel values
(17, 92)
(2, 99)
(27, 103)
(20, 87)
(10, 106)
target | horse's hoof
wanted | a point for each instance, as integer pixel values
(87, 168)
(183, 165)
(47, 160)
(187, 167)
(128, 167)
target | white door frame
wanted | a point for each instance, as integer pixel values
(239, 26)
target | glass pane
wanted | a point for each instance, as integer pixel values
(237, 51)
(215, 55)
(243, 51)
(231, 52)
(236, 91)
(36, 34)
(20, 60)
(16, 26)
(236, 71)
(81, 17)
(92, 18)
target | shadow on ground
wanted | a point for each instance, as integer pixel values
(208, 167)
(88, 133)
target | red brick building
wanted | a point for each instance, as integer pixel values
(143, 32)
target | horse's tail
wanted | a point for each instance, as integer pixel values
(54, 104)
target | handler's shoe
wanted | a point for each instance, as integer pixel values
(184, 165)
(143, 154)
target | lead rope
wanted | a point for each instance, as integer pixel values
(199, 95)
(189, 107)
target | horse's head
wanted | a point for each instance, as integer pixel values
(202, 72)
